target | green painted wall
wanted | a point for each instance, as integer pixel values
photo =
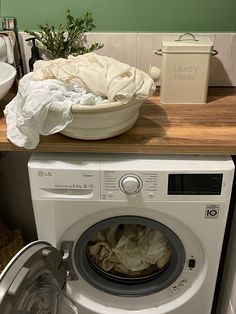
(129, 15)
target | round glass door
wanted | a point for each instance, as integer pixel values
(44, 296)
(32, 282)
(129, 256)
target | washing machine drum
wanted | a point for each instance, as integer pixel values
(129, 256)
(32, 282)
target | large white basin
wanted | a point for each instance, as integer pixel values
(7, 76)
(102, 120)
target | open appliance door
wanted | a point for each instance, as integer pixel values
(32, 282)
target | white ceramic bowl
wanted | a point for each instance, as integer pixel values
(7, 76)
(102, 120)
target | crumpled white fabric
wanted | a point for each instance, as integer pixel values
(137, 248)
(3, 50)
(6, 49)
(42, 107)
(101, 75)
(131, 251)
(45, 97)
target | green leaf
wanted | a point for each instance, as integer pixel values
(68, 39)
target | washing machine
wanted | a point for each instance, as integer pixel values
(121, 234)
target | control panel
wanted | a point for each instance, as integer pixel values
(129, 177)
(119, 185)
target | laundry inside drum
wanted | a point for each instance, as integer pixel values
(129, 252)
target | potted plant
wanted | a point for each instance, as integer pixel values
(66, 40)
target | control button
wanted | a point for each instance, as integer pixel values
(130, 184)
(151, 195)
(191, 263)
(110, 194)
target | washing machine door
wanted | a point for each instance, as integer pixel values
(32, 282)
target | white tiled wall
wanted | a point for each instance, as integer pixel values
(120, 46)
(136, 49)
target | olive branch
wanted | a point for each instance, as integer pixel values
(66, 40)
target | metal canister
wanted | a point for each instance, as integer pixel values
(185, 69)
(9, 28)
(9, 23)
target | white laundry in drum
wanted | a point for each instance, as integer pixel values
(131, 250)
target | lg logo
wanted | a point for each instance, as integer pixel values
(212, 211)
(42, 173)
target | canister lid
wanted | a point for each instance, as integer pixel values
(187, 43)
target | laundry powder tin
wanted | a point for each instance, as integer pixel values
(185, 69)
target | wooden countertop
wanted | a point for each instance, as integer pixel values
(161, 129)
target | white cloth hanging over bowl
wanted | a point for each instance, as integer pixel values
(46, 98)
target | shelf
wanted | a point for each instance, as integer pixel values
(161, 129)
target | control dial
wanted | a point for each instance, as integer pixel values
(130, 184)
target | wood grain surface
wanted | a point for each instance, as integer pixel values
(161, 129)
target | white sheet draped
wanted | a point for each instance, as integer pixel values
(101, 75)
(45, 97)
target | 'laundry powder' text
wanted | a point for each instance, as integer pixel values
(185, 73)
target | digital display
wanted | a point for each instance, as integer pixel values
(195, 184)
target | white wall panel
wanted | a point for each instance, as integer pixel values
(137, 49)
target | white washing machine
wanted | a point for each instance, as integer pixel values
(83, 203)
